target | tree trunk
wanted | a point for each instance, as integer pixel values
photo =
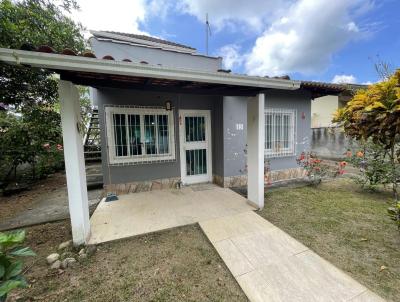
(394, 172)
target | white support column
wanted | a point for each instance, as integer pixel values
(74, 162)
(255, 150)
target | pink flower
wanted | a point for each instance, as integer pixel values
(46, 146)
(59, 147)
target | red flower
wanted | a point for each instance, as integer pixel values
(342, 164)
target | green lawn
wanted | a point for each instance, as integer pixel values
(345, 225)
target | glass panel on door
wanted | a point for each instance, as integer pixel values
(196, 162)
(195, 128)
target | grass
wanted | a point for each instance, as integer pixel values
(172, 265)
(345, 225)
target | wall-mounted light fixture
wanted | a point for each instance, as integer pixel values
(168, 105)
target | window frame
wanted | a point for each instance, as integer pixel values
(282, 152)
(142, 158)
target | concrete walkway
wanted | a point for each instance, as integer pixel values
(50, 207)
(269, 265)
(145, 212)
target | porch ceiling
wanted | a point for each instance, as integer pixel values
(156, 84)
(88, 70)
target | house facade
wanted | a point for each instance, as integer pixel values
(154, 139)
(163, 123)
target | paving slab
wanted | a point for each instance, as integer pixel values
(270, 265)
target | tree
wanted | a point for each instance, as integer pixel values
(34, 22)
(32, 120)
(374, 114)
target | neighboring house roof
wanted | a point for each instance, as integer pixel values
(143, 40)
(323, 88)
(332, 86)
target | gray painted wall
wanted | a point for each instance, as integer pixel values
(235, 116)
(330, 142)
(228, 115)
(301, 101)
(235, 112)
(154, 56)
(141, 172)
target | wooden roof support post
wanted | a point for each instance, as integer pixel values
(74, 162)
(255, 150)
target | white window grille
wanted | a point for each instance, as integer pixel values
(280, 132)
(138, 135)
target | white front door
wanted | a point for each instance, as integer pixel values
(195, 146)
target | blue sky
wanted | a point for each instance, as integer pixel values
(308, 39)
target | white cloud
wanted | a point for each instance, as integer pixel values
(368, 83)
(304, 39)
(228, 13)
(344, 79)
(115, 15)
(231, 56)
(293, 35)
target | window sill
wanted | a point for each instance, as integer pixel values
(271, 156)
(128, 161)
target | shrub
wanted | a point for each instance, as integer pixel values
(24, 139)
(373, 114)
(316, 169)
(10, 266)
(373, 163)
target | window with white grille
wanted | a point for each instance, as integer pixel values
(280, 131)
(140, 135)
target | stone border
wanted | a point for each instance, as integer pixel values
(271, 177)
(286, 174)
(143, 186)
(225, 182)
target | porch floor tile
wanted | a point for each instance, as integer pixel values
(145, 212)
(269, 265)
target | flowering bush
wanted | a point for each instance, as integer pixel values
(373, 114)
(373, 163)
(316, 169)
(50, 160)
